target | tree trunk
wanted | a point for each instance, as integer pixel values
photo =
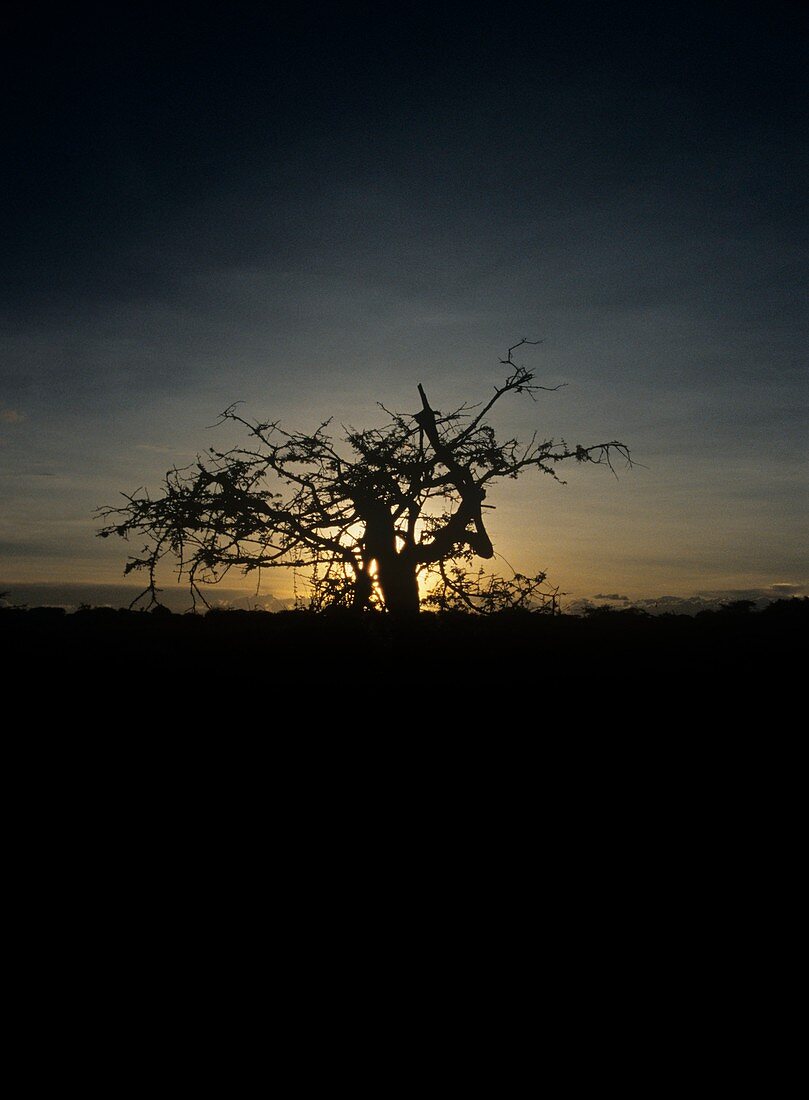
(396, 572)
(397, 579)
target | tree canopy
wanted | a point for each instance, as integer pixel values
(366, 515)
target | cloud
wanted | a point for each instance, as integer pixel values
(157, 448)
(700, 601)
(727, 594)
(11, 416)
(177, 599)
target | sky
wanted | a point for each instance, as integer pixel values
(313, 209)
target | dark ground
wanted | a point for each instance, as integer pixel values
(515, 665)
(626, 786)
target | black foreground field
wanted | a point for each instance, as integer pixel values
(504, 661)
(612, 751)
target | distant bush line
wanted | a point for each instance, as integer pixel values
(511, 651)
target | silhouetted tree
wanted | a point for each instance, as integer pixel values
(366, 519)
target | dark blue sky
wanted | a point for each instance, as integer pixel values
(315, 210)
